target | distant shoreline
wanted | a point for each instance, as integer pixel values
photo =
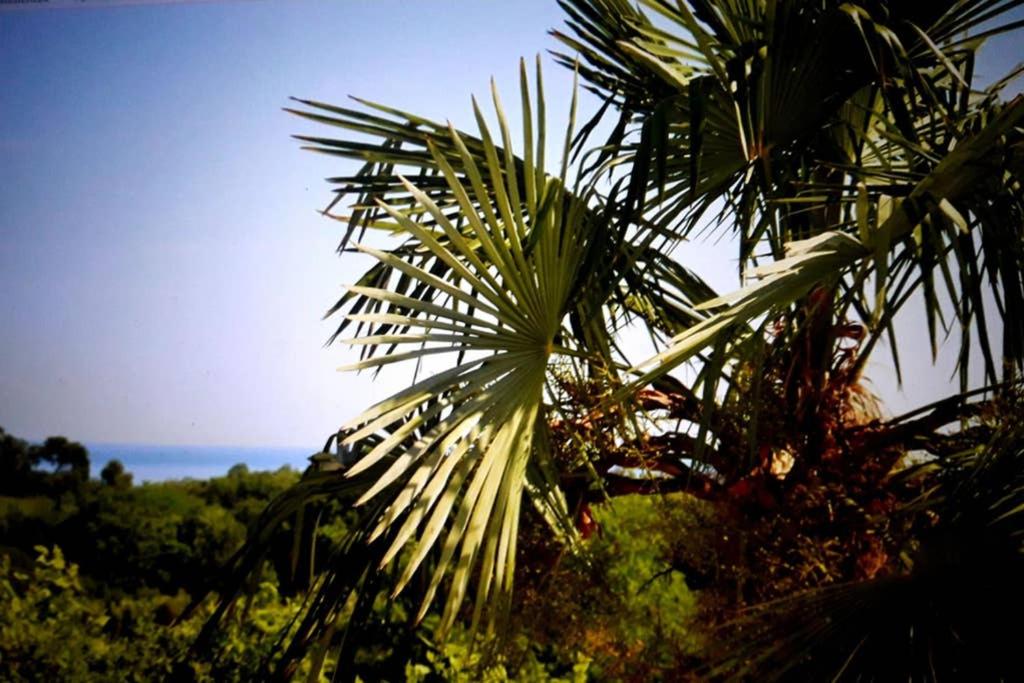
(154, 463)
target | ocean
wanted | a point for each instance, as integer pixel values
(160, 463)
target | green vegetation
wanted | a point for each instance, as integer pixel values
(165, 537)
(53, 627)
(99, 583)
(93, 573)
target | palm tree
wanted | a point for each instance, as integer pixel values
(847, 151)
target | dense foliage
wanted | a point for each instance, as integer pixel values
(93, 573)
(55, 628)
(97, 582)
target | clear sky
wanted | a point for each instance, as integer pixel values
(162, 267)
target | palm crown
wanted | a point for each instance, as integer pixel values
(845, 148)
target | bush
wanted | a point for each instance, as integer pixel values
(51, 629)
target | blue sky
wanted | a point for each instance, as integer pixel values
(162, 267)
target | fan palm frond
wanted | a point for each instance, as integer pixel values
(460, 463)
(833, 254)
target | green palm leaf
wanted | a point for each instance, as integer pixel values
(460, 462)
(833, 254)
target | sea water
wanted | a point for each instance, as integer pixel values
(147, 462)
